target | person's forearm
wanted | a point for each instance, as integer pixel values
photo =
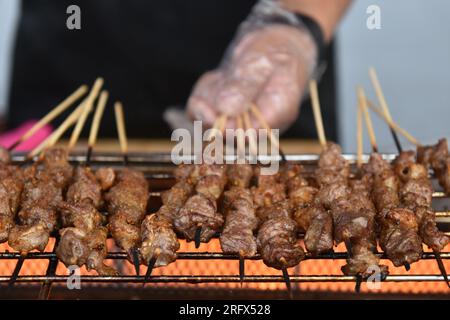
(327, 13)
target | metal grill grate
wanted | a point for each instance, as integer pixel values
(158, 168)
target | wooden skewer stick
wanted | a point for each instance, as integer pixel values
(262, 122)
(197, 236)
(241, 267)
(56, 135)
(359, 136)
(258, 115)
(393, 125)
(96, 123)
(87, 109)
(369, 126)
(240, 138)
(252, 139)
(219, 124)
(151, 264)
(382, 101)
(60, 108)
(120, 122)
(317, 113)
(286, 277)
(379, 92)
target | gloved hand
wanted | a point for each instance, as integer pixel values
(268, 64)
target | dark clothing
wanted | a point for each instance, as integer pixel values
(150, 54)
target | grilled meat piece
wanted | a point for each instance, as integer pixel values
(28, 237)
(106, 177)
(239, 175)
(85, 186)
(269, 189)
(174, 199)
(80, 247)
(277, 241)
(428, 230)
(438, 159)
(399, 237)
(56, 165)
(279, 209)
(237, 236)
(11, 186)
(363, 261)
(317, 224)
(159, 241)
(199, 211)
(401, 164)
(211, 181)
(127, 204)
(81, 214)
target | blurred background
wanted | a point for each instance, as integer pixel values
(411, 53)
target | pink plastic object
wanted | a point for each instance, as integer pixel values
(8, 138)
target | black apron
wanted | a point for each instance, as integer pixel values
(150, 54)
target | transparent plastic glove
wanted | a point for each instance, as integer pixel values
(268, 64)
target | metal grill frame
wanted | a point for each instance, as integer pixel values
(158, 167)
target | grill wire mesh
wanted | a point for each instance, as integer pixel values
(207, 267)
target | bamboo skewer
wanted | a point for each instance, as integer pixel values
(86, 110)
(262, 122)
(359, 136)
(56, 135)
(60, 108)
(379, 92)
(240, 138)
(96, 123)
(121, 131)
(317, 113)
(369, 126)
(393, 125)
(252, 140)
(382, 101)
(151, 265)
(219, 125)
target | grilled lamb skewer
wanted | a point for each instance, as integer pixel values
(277, 234)
(311, 218)
(11, 186)
(127, 204)
(438, 158)
(399, 233)
(240, 219)
(352, 211)
(40, 201)
(416, 194)
(159, 241)
(83, 240)
(198, 219)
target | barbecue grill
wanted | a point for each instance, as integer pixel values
(158, 170)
